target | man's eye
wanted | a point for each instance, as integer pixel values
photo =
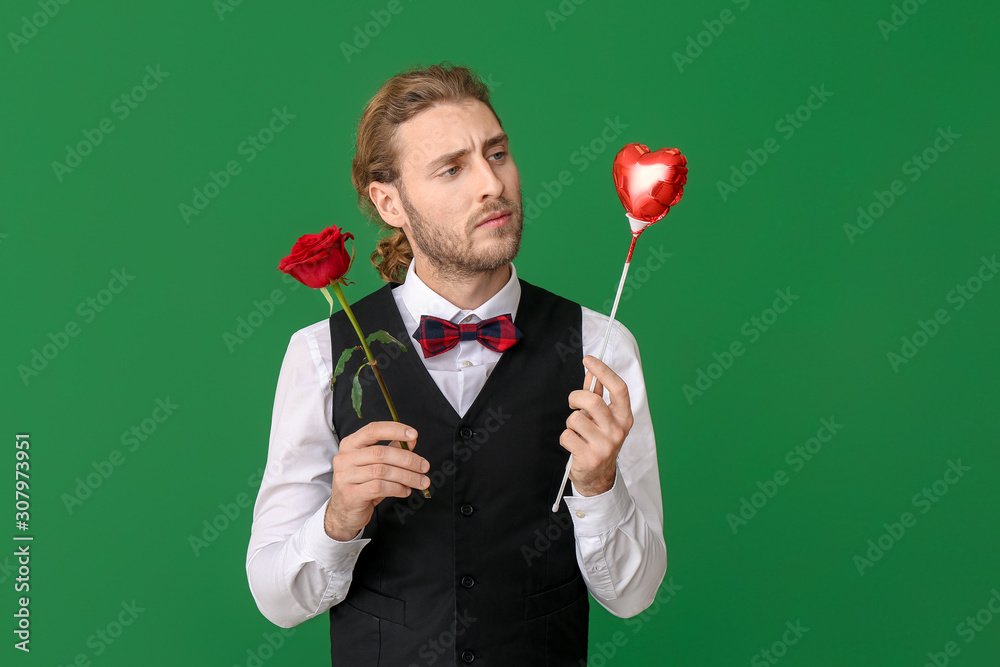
(502, 155)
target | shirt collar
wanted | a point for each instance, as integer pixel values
(419, 299)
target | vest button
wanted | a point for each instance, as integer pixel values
(468, 581)
(466, 509)
(466, 433)
(468, 656)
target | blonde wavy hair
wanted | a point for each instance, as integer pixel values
(376, 156)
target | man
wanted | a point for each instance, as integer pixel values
(482, 571)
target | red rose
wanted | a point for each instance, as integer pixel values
(317, 260)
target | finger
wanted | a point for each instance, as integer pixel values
(588, 380)
(617, 389)
(585, 427)
(594, 405)
(584, 457)
(396, 444)
(362, 475)
(375, 432)
(377, 489)
(390, 456)
(574, 444)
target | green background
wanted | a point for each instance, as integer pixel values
(555, 82)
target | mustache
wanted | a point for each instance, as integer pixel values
(500, 205)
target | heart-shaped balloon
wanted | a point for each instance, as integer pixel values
(649, 183)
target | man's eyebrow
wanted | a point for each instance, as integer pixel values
(454, 155)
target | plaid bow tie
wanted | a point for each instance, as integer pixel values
(436, 335)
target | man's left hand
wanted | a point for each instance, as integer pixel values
(595, 437)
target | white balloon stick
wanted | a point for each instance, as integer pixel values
(604, 347)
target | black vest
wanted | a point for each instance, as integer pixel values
(483, 572)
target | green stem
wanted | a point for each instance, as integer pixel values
(368, 353)
(371, 359)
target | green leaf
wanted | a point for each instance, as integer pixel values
(356, 391)
(384, 337)
(343, 360)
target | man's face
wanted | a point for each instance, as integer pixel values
(456, 172)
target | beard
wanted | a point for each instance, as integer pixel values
(453, 254)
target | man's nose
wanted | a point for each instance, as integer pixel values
(487, 181)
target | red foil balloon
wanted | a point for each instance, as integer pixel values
(649, 183)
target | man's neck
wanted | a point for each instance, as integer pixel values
(467, 293)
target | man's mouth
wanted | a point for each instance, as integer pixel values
(495, 220)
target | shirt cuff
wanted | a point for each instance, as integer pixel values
(328, 553)
(600, 514)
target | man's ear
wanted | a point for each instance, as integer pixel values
(385, 196)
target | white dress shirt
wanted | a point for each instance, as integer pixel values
(296, 571)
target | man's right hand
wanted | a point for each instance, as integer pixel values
(365, 473)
